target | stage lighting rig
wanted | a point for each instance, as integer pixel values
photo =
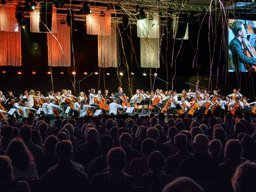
(19, 14)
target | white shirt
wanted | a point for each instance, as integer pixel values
(63, 97)
(17, 106)
(52, 106)
(76, 106)
(25, 111)
(44, 107)
(83, 110)
(174, 101)
(113, 108)
(187, 104)
(235, 94)
(91, 99)
(30, 99)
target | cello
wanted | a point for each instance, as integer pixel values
(125, 102)
(249, 52)
(136, 105)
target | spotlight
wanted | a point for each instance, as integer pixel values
(121, 74)
(96, 73)
(4, 72)
(62, 73)
(155, 74)
(142, 14)
(73, 73)
(49, 72)
(107, 73)
(132, 73)
(85, 73)
(19, 73)
(87, 9)
(33, 6)
(144, 74)
(23, 27)
(33, 72)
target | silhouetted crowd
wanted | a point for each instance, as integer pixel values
(128, 153)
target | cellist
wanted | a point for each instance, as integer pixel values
(137, 97)
(206, 104)
(235, 94)
(246, 106)
(184, 104)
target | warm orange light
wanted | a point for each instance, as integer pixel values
(73, 73)
(19, 73)
(62, 73)
(85, 73)
(33, 72)
(4, 72)
(49, 72)
(107, 73)
(96, 73)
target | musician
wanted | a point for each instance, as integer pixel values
(50, 108)
(58, 96)
(246, 106)
(237, 46)
(44, 106)
(64, 96)
(112, 95)
(25, 95)
(215, 93)
(106, 95)
(51, 95)
(113, 106)
(147, 95)
(25, 109)
(2, 97)
(206, 103)
(235, 94)
(30, 98)
(137, 95)
(91, 98)
(184, 104)
(16, 104)
(119, 94)
(76, 107)
(174, 99)
(83, 109)
(9, 97)
(229, 103)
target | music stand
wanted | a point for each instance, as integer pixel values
(143, 103)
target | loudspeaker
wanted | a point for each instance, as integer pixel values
(45, 23)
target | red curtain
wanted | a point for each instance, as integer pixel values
(10, 48)
(59, 46)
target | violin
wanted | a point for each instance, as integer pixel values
(249, 52)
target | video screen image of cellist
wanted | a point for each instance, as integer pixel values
(241, 41)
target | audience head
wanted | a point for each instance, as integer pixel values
(172, 131)
(125, 140)
(215, 148)
(148, 146)
(50, 144)
(200, 144)
(6, 132)
(244, 177)
(92, 134)
(180, 141)
(116, 159)
(183, 184)
(26, 133)
(153, 133)
(64, 150)
(106, 143)
(156, 161)
(233, 150)
(6, 169)
(19, 154)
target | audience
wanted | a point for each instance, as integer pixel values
(7, 180)
(122, 153)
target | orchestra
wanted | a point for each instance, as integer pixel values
(189, 103)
